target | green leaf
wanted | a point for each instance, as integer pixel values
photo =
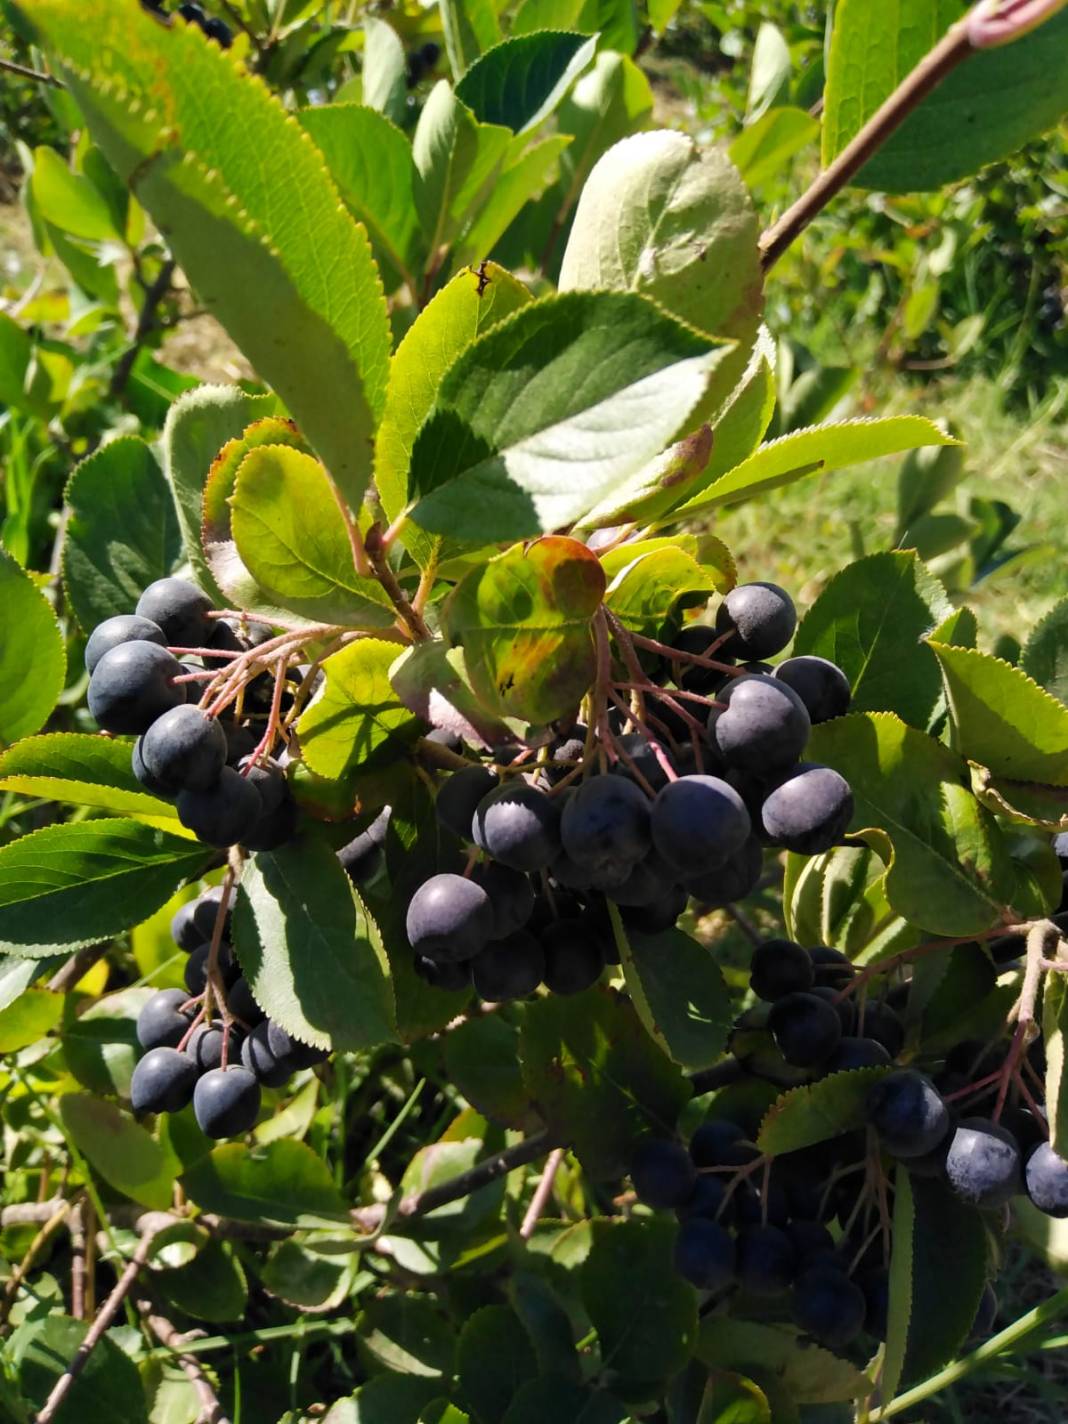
(307, 949)
(494, 1358)
(1054, 1039)
(948, 868)
(29, 638)
(356, 717)
(743, 420)
(482, 1061)
(121, 1151)
(371, 162)
(524, 621)
(431, 680)
(871, 619)
(215, 160)
(819, 449)
(542, 418)
(764, 148)
(956, 130)
(659, 486)
(100, 1045)
(937, 1238)
(75, 884)
(1045, 654)
(283, 1182)
(35, 1013)
(471, 27)
(926, 477)
(806, 1373)
(16, 350)
(547, 1323)
(817, 1111)
(679, 993)
(70, 200)
(462, 1146)
(210, 1287)
(457, 160)
(385, 69)
(658, 581)
(525, 171)
(305, 1279)
(409, 1335)
(198, 426)
(84, 770)
(596, 1077)
(463, 310)
(632, 1261)
(387, 1399)
(1003, 720)
(108, 1388)
(122, 532)
(520, 81)
(292, 538)
(660, 215)
(730, 1398)
(551, 1397)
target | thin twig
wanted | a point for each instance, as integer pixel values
(146, 322)
(413, 620)
(97, 1330)
(211, 1411)
(544, 1190)
(75, 969)
(76, 1228)
(25, 72)
(954, 47)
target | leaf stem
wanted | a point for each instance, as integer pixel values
(412, 618)
(544, 1190)
(25, 72)
(1011, 1336)
(953, 48)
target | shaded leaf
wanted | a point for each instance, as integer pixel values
(309, 952)
(636, 1257)
(210, 1287)
(109, 1387)
(482, 1061)
(385, 69)
(100, 1045)
(679, 992)
(29, 638)
(124, 1154)
(283, 1182)
(122, 532)
(1045, 654)
(597, 1077)
(520, 81)
(541, 418)
(31, 1016)
(494, 1358)
(471, 27)
(807, 1373)
(409, 1335)
(659, 581)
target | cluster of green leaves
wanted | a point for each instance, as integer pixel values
(358, 253)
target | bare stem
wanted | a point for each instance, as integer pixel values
(544, 1190)
(106, 1315)
(18, 1275)
(954, 47)
(410, 616)
(25, 72)
(211, 1411)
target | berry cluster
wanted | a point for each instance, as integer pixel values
(214, 767)
(686, 767)
(219, 1064)
(214, 28)
(814, 1226)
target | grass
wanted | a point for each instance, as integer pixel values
(802, 535)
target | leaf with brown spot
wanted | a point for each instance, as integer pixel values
(524, 621)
